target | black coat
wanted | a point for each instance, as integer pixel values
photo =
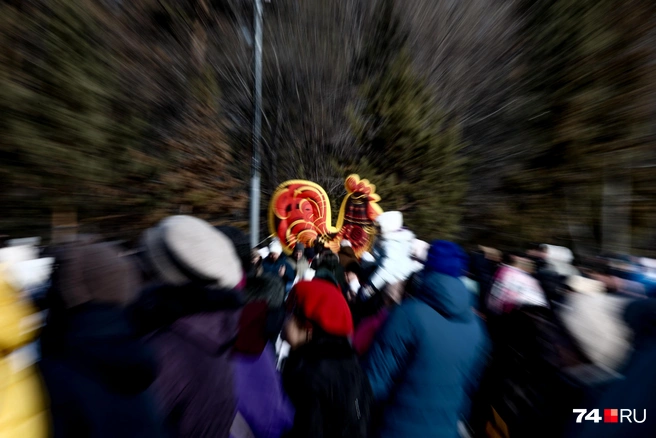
(98, 373)
(526, 382)
(483, 271)
(329, 390)
(271, 266)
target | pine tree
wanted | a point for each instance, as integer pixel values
(104, 114)
(199, 178)
(413, 151)
(60, 142)
(585, 74)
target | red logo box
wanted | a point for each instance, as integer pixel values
(610, 415)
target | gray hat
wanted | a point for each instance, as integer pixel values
(184, 248)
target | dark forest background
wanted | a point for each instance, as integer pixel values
(499, 122)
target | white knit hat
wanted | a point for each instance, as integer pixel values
(263, 252)
(345, 243)
(275, 247)
(390, 221)
(560, 260)
(559, 254)
(648, 263)
(185, 248)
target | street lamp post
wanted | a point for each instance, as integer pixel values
(257, 125)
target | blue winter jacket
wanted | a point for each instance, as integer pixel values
(427, 360)
(270, 266)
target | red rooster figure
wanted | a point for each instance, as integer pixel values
(300, 212)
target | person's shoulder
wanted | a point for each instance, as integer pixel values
(408, 311)
(411, 304)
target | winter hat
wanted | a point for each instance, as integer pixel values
(17, 254)
(94, 273)
(23, 267)
(186, 249)
(559, 254)
(446, 258)
(241, 243)
(648, 263)
(390, 221)
(299, 247)
(344, 243)
(263, 252)
(323, 304)
(31, 273)
(560, 260)
(275, 247)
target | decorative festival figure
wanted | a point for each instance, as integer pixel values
(300, 212)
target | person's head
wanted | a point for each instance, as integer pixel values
(266, 287)
(185, 249)
(327, 267)
(263, 252)
(491, 254)
(275, 249)
(329, 260)
(518, 260)
(446, 258)
(525, 264)
(559, 259)
(389, 222)
(535, 249)
(93, 273)
(316, 308)
(439, 285)
(508, 258)
(297, 331)
(299, 251)
(256, 258)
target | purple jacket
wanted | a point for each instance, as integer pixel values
(260, 397)
(194, 388)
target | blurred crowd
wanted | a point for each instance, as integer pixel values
(196, 334)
